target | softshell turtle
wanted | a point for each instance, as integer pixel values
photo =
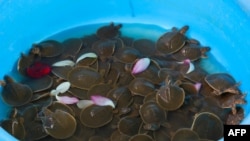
(221, 83)
(14, 93)
(172, 41)
(185, 134)
(95, 116)
(141, 137)
(110, 31)
(48, 48)
(208, 126)
(229, 100)
(192, 52)
(170, 96)
(129, 125)
(58, 124)
(152, 115)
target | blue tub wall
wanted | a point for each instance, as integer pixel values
(222, 25)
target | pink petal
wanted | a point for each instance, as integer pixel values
(67, 99)
(197, 86)
(141, 65)
(188, 62)
(102, 101)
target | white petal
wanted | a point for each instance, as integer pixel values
(63, 87)
(85, 55)
(54, 92)
(64, 63)
(84, 103)
(191, 68)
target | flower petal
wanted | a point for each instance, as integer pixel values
(188, 62)
(141, 65)
(85, 55)
(84, 103)
(191, 68)
(63, 87)
(197, 86)
(38, 70)
(64, 63)
(54, 92)
(102, 101)
(67, 99)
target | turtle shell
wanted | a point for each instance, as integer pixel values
(117, 136)
(208, 126)
(221, 83)
(141, 137)
(104, 48)
(172, 41)
(34, 130)
(141, 86)
(15, 127)
(41, 84)
(58, 124)
(100, 89)
(48, 48)
(185, 134)
(192, 52)
(127, 54)
(145, 47)
(83, 77)
(108, 31)
(14, 93)
(71, 47)
(129, 125)
(24, 62)
(170, 97)
(152, 114)
(122, 96)
(96, 116)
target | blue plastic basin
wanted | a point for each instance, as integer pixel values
(222, 25)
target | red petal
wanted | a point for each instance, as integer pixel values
(38, 70)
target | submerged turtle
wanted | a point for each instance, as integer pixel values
(71, 47)
(192, 52)
(84, 77)
(172, 41)
(222, 83)
(127, 54)
(110, 31)
(14, 93)
(48, 48)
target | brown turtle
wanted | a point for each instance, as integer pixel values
(208, 126)
(172, 41)
(14, 93)
(229, 100)
(152, 115)
(110, 31)
(192, 52)
(221, 83)
(170, 96)
(48, 48)
(185, 134)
